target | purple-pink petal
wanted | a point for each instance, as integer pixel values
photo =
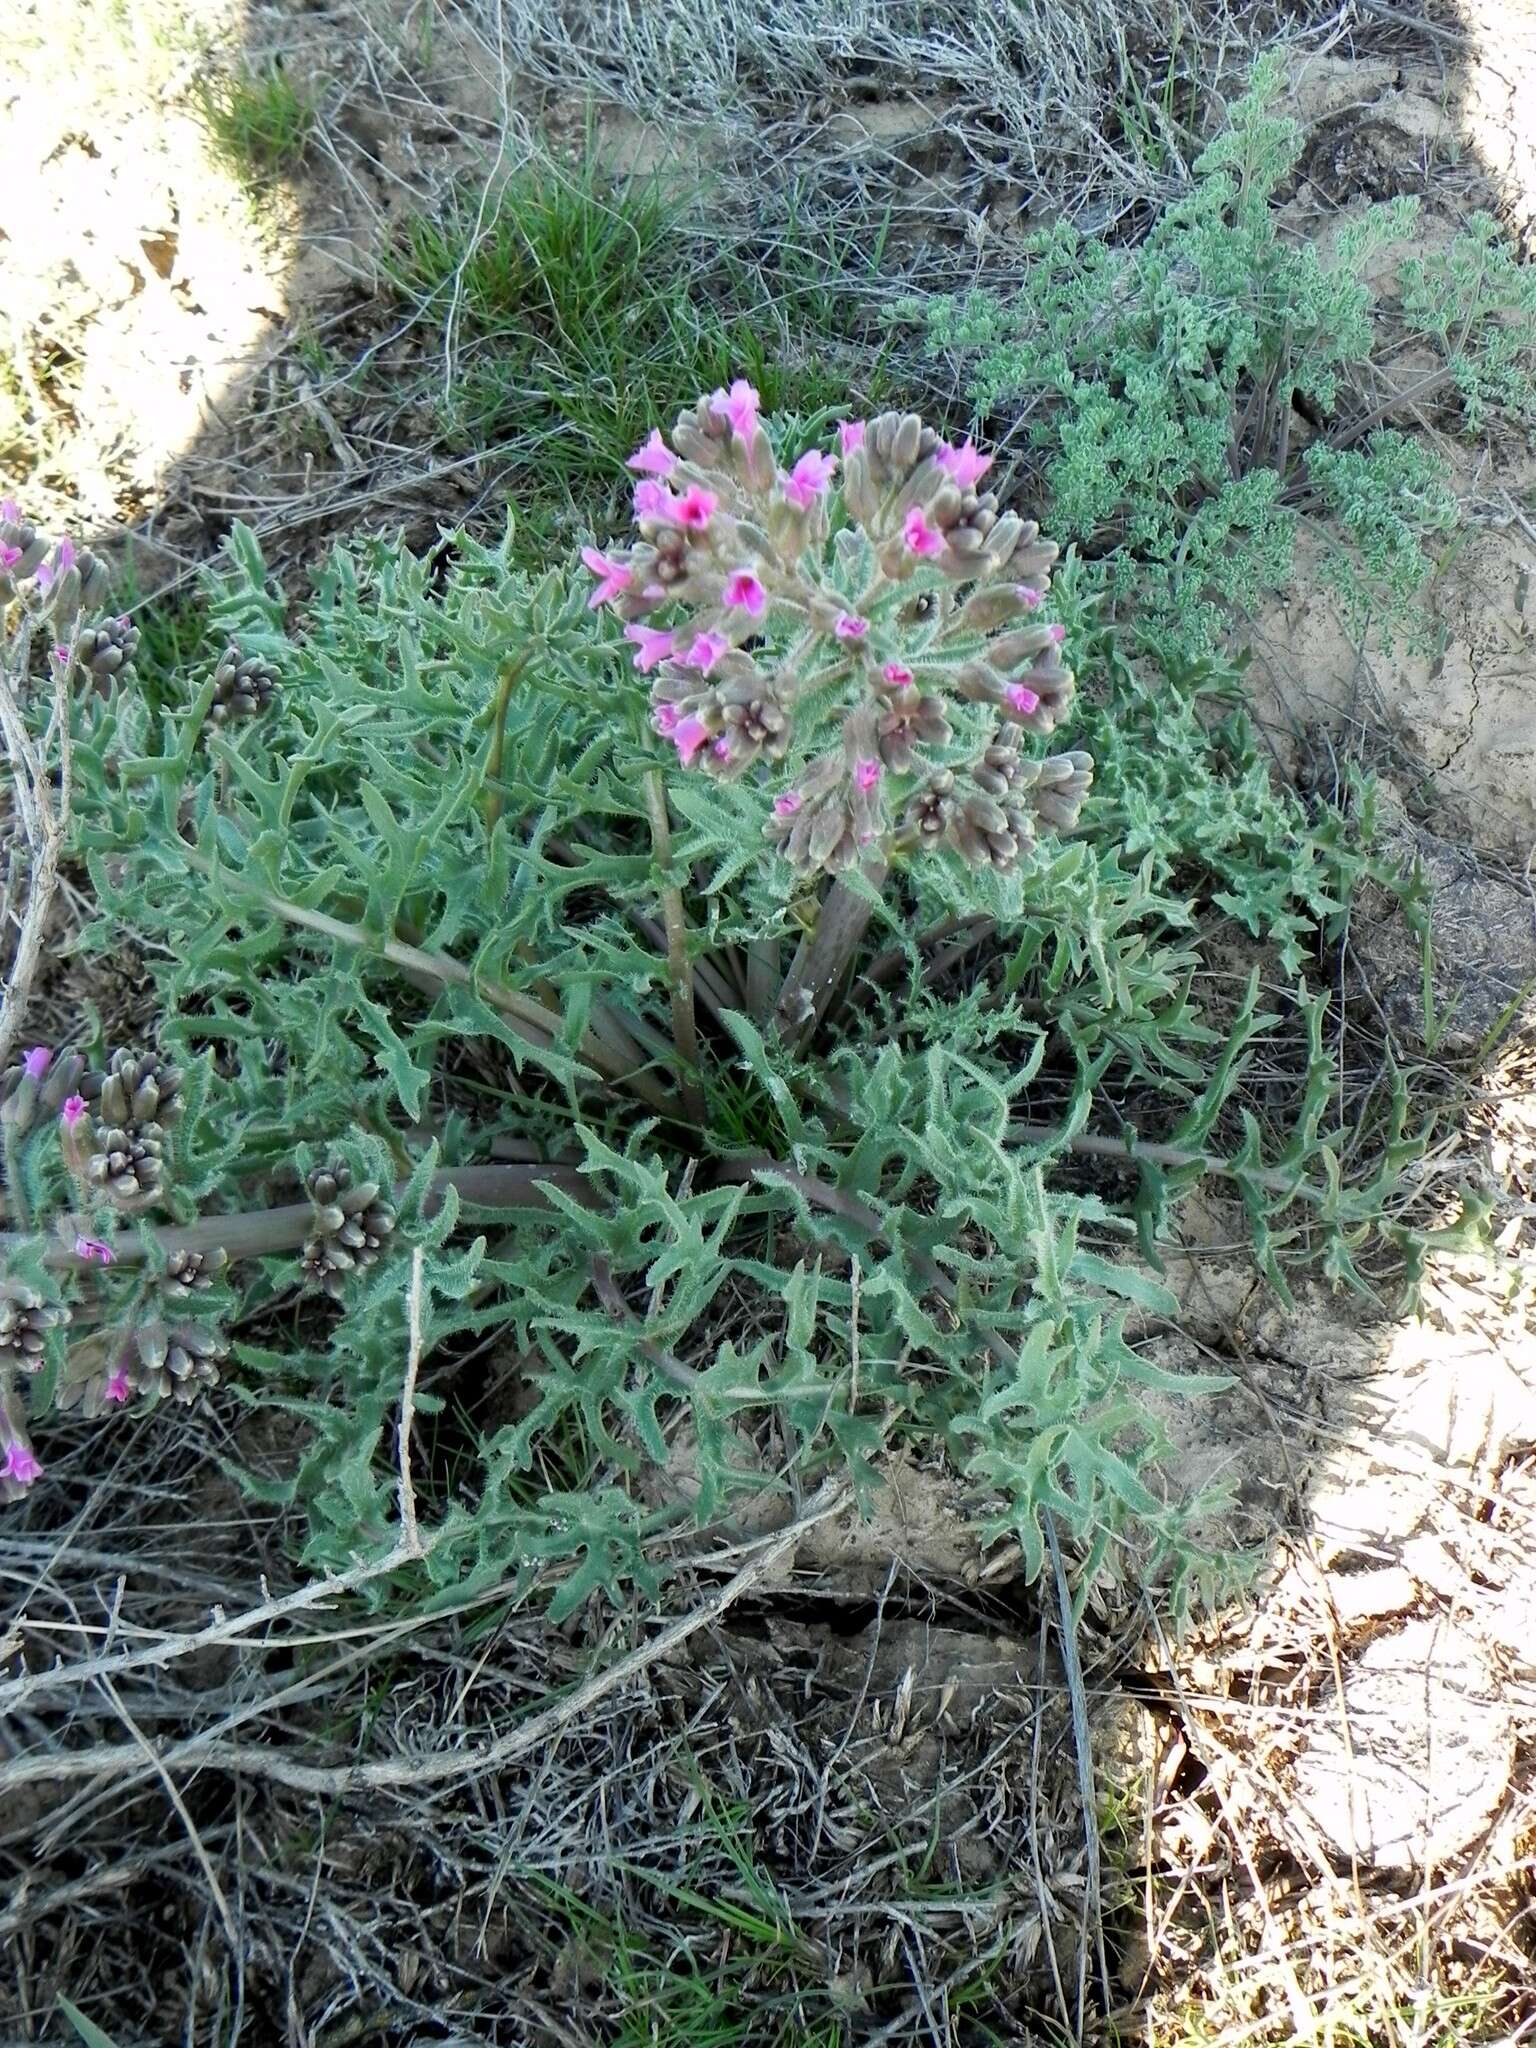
(613, 578)
(653, 646)
(21, 1463)
(850, 626)
(739, 406)
(866, 774)
(897, 674)
(743, 592)
(965, 464)
(785, 806)
(695, 508)
(688, 736)
(850, 434)
(652, 499)
(919, 536)
(706, 650)
(654, 457)
(35, 1063)
(1023, 699)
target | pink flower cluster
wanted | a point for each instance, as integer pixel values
(874, 588)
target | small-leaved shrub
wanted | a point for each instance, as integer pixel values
(1191, 396)
(728, 1020)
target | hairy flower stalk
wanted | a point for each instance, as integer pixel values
(866, 621)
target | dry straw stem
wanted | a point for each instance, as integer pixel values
(40, 784)
(128, 1760)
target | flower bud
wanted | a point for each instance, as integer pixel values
(25, 1320)
(243, 687)
(108, 649)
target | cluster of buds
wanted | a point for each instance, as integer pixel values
(25, 1320)
(878, 586)
(164, 1360)
(160, 1355)
(107, 650)
(351, 1226)
(243, 687)
(114, 1129)
(988, 811)
(55, 579)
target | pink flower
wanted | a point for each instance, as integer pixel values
(1058, 633)
(966, 464)
(919, 536)
(785, 806)
(739, 406)
(65, 560)
(695, 508)
(1029, 597)
(850, 626)
(744, 593)
(35, 1063)
(613, 578)
(1023, 700)
(20, 1463)
(93, 1251)
(706, 650)
(73, 1110)
(117, 1388)
(721, 749)
(809, 479)
(61, 655)
(688, 735)
(8, 554)
(653, 646)
(664, 718)
(850, 434)
(654, 458)
(652, 500)
(9, 509)
(866, 774)
(897, 674)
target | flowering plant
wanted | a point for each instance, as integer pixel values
(894, 603)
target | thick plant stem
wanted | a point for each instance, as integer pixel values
(506, 682)
(763, 965)
(824, 954)
(255, 1233)
(685, 1037)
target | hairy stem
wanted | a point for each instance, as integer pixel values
(763, 971)
(506, 682)
(823, 955)
(254, 1233)
(685, 1035)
